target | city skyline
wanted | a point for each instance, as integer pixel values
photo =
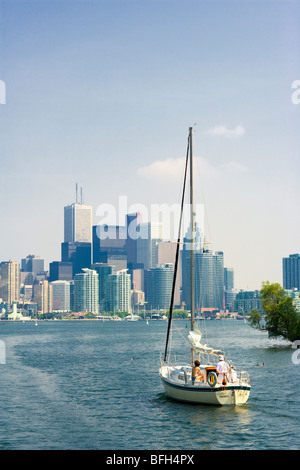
(102, 93)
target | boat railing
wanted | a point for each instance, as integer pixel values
(244, 377)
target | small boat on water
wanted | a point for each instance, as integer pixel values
(211, 383)
(132, 317)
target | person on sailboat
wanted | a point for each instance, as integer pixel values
(222, 369)
(196, 372)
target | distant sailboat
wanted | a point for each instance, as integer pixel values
(132, 317)
(223, 387)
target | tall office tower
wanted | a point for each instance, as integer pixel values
(77, 253)
(86, 291)
(10, 282)
(118, 297)
(32, 264)
(291, 272)
(78, 223)
(61, 296)
(103, 270)
(133, 221)
(218, 262)
(228, 278)
(159, 287)
(150, 235)
(208, 276)
(109, 242)
(166, 252)
(42, 295)
(60, 271)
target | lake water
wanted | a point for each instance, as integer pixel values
(95, 385)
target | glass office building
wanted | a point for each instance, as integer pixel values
(159, 287)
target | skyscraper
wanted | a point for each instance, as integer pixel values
(159, 286)
(132, 223)
(228, 278)
(218, 261)
(10, 282)
(61, 295)
(77, 253)
(118, 295)
(42, 295)
(61, 271)
(150, 234)
(166, 252)
(109, 241)
(291, 272)
(33, 264)
(103, 270)
(86, 291)
(208, 276)
(78, 223)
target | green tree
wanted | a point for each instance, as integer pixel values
(280, 318)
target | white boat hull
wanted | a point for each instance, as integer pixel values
(231, 394)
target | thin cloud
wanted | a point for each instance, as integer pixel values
(172, 169)
(223, 131)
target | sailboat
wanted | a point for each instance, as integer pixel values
(216, 386)
(132, 317)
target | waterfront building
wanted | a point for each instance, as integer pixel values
(86, 291)
(230, 296)
(137, 300)
(60, 296)
(246, 301)
(10, 282)
(159, 282)
(42, 295)
(291, 272)
(118, 294)
(104, 270)
(295, 294)
(78, 223)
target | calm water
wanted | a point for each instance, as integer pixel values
(95, 385)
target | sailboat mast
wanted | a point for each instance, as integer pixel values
(192, 229)
(192, 239)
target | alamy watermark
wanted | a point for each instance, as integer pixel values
(164, 220)
(2, 92)
(295, 98)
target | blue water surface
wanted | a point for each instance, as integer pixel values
(95, 385)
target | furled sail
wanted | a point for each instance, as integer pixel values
(194, 338)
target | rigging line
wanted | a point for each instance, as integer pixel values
(177, 251)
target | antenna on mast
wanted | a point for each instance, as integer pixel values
(81, 195)
(76, 193)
